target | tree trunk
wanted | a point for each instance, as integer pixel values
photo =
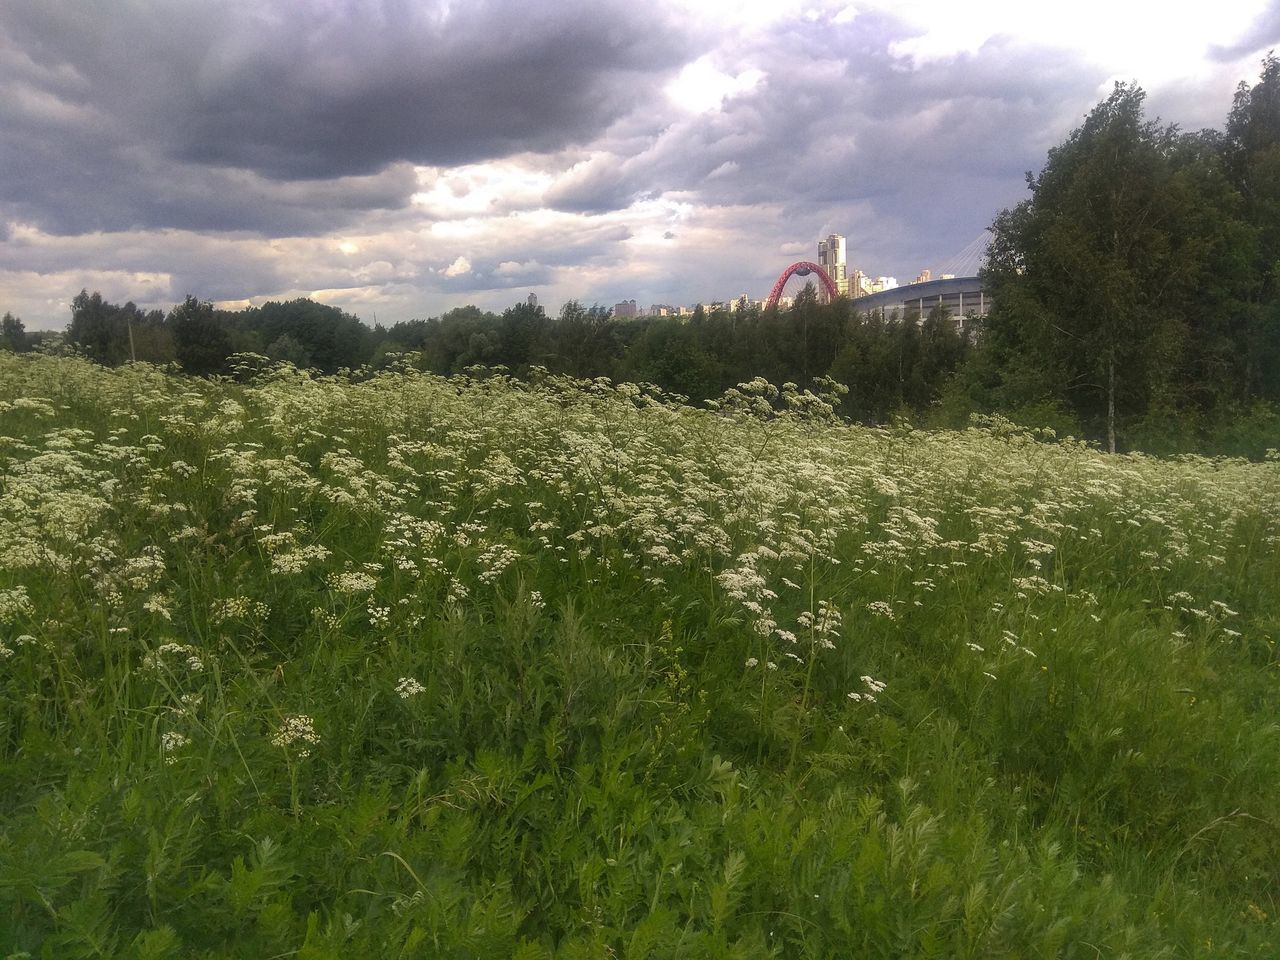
(1111, 402)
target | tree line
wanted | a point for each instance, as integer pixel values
(1135, 292)
(893, 367)
(1137, 289)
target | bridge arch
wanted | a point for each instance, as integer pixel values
(801, 268)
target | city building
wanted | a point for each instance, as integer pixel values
(859, 284)
(831, 259)
(532, 300)
(960, 296)
(626, 308)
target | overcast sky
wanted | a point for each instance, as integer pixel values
(401, 157)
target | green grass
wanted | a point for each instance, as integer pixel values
(580, 588)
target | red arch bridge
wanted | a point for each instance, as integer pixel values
(803, 268)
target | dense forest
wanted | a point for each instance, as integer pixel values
(1137, 289)
(1136, 298)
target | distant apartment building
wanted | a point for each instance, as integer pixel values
(532, 300)
(859, 284)
(626, 308)
(831, 258)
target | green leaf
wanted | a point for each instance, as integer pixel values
(156, 944)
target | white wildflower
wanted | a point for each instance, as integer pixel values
(170, 742)
(351, 581)
(14, 603)
(298, 729)
(408, 687)
(174, 652)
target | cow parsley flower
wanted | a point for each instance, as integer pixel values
(881, 608)
(297, 729)
(14, 603)
(174, 652)
(351, 581)
(409, 687)
(170, 742)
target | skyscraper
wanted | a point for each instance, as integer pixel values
(831, 259)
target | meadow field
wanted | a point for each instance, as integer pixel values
(392, 665)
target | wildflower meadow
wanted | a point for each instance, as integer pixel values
(385, 664)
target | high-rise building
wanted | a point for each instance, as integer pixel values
(859, 284)
(831, 259)
(533, 300)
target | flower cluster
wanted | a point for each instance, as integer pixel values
(170, 742)
(171, 652)
(408, 687)
(14, 603)
(822, 626)
(874, 688)
(243, 609)
(351, 581)
(297, 731)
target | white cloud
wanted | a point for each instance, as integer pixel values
(1145, 40)
(480, 188)
(847, 15)
(701, 87)
(516, 268)
(458, 267)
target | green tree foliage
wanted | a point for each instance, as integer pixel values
(523, 331)
(201, 340)
(462, 337)
(1137, 290)
(672, 354)
(324, 336)
(410, 334)
(13, 335)
(109, 333)
(587, 341)
(897, 365)
(1099, 278)
(290, 349)
(1252, 150)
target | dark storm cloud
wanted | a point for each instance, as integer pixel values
(80, 183)
(532, 261)
(598, 185)
(839, 127)
(838, 117)
(1261, 36)
(496, 276)
(156, 114)
(208, 268)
